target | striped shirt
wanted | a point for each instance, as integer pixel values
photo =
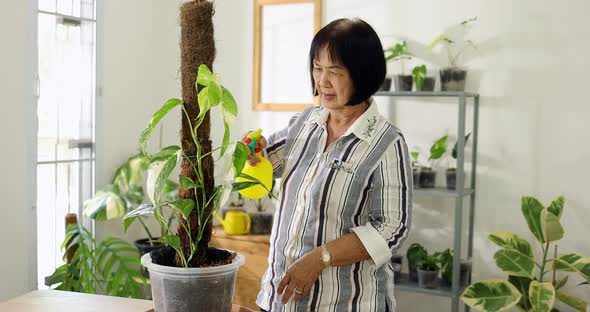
(362, 182)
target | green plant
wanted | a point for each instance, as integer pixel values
(445, 259)
(194, 213)
(398, 52)
(125, 193)
(111, 267)
(525, 288)
(455, 47)
(415, 155)
(454, 153)
(438, 149)
(419, 76)
(428, 263)
(415, 254)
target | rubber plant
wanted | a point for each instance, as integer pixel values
(527, 288)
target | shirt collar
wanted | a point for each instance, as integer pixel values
(363, 127)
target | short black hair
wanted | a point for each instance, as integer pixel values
(354, 44)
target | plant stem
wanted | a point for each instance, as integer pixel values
(150, 238)
(554, 257)
(545, 252)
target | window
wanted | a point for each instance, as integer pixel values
(65, 116)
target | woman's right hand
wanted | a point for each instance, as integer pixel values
(253, 160)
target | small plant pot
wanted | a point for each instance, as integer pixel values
(414, 275)
(144, 247)
(427, 279)
(428, 84)
(452, 79)
(403, 82)
(464, 275)
(416, 176)
(427, 177)
(451, 178)
(192, 289)
(261, 223)
(386, 85)
(397, 271)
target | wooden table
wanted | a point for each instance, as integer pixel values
(255, 250)
(65, 301)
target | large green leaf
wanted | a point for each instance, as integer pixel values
(419, 75)
(141, 210)
(439, 148)
(105, 205)
(513, 262)
(556, 206)
(542, 296)
(229, 111)
(572, 301)
(187, 183)
(147, 132)
(454, 152)
(204, 102)
(522, 284)
(415, 254)
(531, 209)
(239, 158)
(159, 170)
(511, 241)
(561, 282)
(552, 229)
(204, 75)
(491, 295)
(171, 240)
(573, 263)
(185, 206)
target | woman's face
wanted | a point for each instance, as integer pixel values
(332, 81)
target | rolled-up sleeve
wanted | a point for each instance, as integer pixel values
(390, 204)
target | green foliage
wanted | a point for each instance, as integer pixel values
(445, 259)
(415, 254)
(162, 163)
(111, 267)
(454, 153)
(428, 263)
(419, 76)
(454, 44)
(527, 289)
(439, 148)
(398, 52)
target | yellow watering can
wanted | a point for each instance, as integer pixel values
(262, 171)
(236, 222)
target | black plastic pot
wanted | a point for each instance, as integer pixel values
(427, 279)
(427, 177)
(428, 84)
(403, 82)
(386, 85)
(464, 275)
(144, 247)
(452, 79)
(261, 223)
(416, 176)
(451, 178)
(397, 271)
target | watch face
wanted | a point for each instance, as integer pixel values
(325, 257)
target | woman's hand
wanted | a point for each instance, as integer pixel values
(301, 276)
(253, 160)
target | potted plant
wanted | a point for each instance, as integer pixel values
(125, 193)
(422, 81)
(427, 173)
(452, 171)
(415, 167)
(453, 76)
(532, 283)
(399, 52)
(428, 270)
(415, 254)
(445, 259)
(261, 220)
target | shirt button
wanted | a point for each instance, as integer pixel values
(319, 155)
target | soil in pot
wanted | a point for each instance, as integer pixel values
(145, 247)
(208, 288)
(452, 79)
(386, 85)
(427, 279)
(428, 84)
(261, 222)
(403, 82)
(427, 177)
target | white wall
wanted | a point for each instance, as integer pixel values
(18, 263)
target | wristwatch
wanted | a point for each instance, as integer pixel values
(326, 256)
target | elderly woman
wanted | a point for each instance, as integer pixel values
(346, 190)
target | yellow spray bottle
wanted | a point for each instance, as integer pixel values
(262, 171)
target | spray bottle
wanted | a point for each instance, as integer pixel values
(262, 171)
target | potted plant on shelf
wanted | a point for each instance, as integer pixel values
(427, 173)
(415, 167)
(524, 288)
(125, 193)
(445, 259)
(415, 254)
(399, 52)
(453, 76)
(422, 81)
(452, 171)
(428, 270)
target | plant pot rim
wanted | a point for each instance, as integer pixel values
(238, 261)
(455, 68)
(144, 242)
(420, 270)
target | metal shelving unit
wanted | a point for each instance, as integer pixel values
(458, 195)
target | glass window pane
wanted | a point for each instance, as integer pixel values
(45, 225)
(65, 7)
(76, 8)
(88, 9)
(47, 5)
